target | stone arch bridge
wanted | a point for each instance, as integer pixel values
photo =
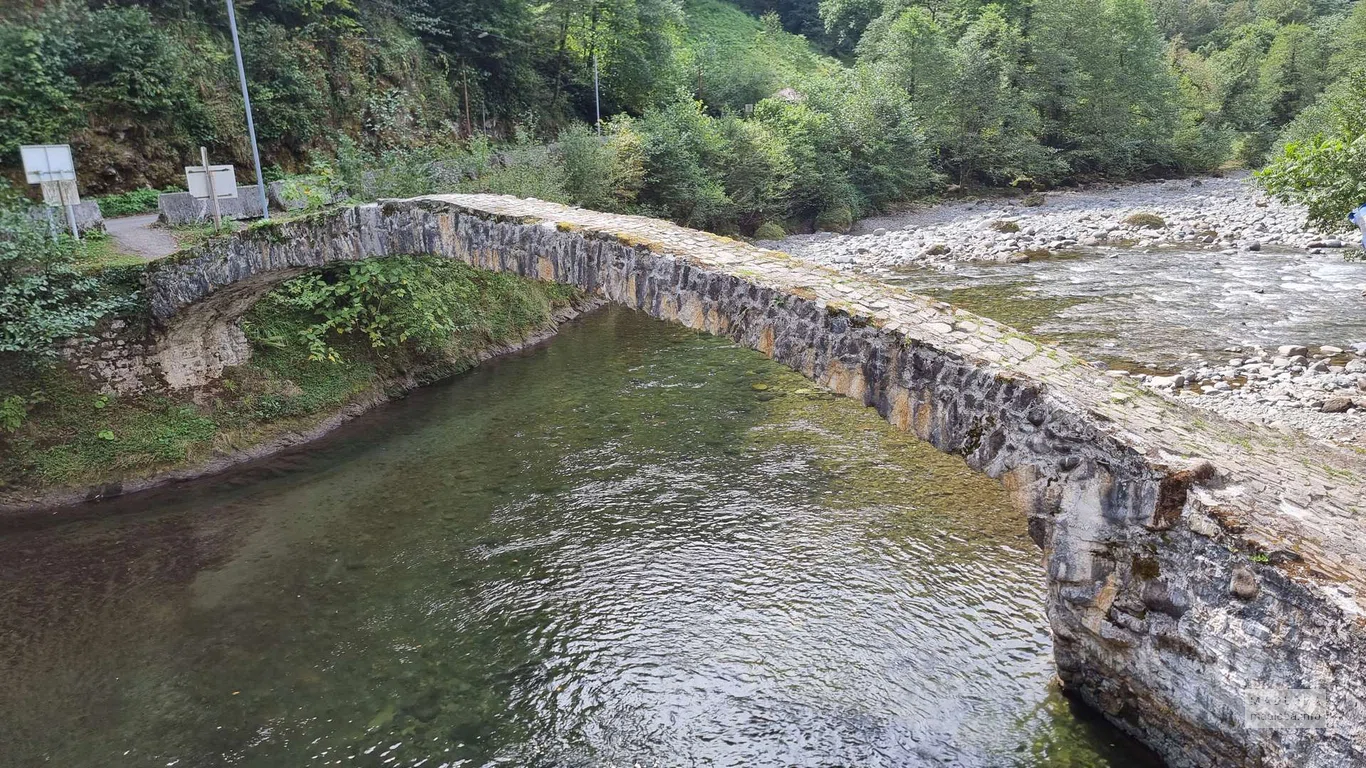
(1193, 565)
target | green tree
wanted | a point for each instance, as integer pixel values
(884, 153)
(1106, 94)
(990, 127)
(683, 151)
(910, 48)
(1202, 142)
(38, 101)
(1292, 73)
(1323, 167)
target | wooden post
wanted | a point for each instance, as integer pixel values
(70, 210)
(213, 193)
(465, 77)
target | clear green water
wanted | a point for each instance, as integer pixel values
(614, 551)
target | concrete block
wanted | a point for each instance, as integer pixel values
(180, 208)
(88, 217)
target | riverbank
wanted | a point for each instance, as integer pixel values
(1321, 392)
(81, 444)
(1207, 214)
(1203, 289)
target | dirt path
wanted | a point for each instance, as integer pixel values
(135, 235)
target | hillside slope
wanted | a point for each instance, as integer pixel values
(138, 88)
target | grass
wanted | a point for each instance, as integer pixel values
(190, 235)
(1146, 221)
(96, 252)
(129, 203)
(76, 433)
(75, 436)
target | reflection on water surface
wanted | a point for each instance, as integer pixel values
(614, 551)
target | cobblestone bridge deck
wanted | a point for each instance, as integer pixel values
(1190, 561)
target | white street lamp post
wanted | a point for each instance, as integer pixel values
(246, 100)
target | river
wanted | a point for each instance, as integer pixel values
(635, 546)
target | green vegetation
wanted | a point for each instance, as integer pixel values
(60, 431)
(716, 114)
(51, 288)
(1146, 221)
(129, 203)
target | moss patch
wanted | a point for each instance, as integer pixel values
(1009, 304)
(1146, 221)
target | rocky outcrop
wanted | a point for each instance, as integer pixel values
(1193, 564)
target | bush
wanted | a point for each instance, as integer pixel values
(769, 231)
(588, 161)
(1323, 167)
(820, 161)
(423, 304)
(758, 172)
(37, 96)
(837, 219)
(1326, 175)
(1146, 221)
(127, 64)
(288, 92)
(683, 150)
(44, 298)
(526, 170)
(129, 203)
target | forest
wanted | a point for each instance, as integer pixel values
(726, 116)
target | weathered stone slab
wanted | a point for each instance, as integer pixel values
(297, 194)
(1190, 561)
(180, 208)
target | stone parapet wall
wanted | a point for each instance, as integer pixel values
(1189, 560)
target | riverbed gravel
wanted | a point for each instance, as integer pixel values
(1320, 391)
(1209, 214)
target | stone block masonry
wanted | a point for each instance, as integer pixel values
(1191, 562)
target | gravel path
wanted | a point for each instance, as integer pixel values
(136, 235)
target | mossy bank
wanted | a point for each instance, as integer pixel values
(326, 347)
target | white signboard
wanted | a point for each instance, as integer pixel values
(60, 193)
(48, 162)
(224, 181)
